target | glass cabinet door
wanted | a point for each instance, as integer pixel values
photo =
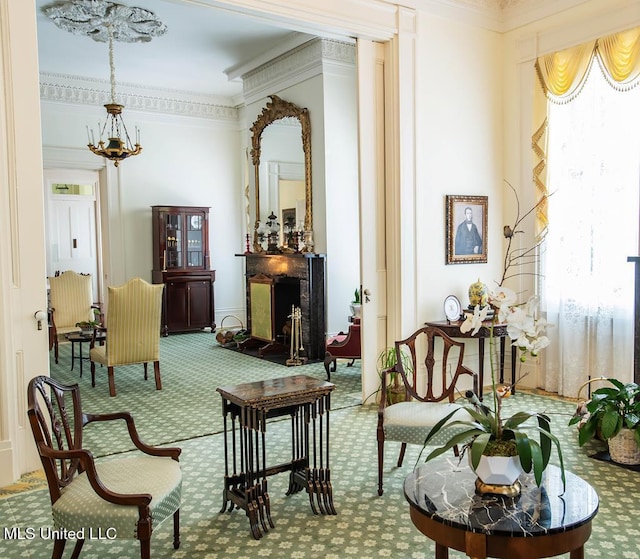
(195, 246)
(173, 239)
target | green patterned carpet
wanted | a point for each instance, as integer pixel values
(192, 366)
(366, 527)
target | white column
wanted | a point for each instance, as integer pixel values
(23, 348)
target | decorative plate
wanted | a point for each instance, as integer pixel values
(452, 308)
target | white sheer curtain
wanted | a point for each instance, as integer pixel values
(586, 283)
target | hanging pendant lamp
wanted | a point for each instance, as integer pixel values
(108, 22)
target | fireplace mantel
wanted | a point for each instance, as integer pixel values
(309, 271)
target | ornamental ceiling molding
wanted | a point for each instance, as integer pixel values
(296, 65)
(78, 90)
(95, 18)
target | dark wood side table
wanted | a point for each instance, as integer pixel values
(248, 406)
(80, 338)
(452, 329)
(540, 522)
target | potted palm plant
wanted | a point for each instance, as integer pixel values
(387, 359)
(613, 413)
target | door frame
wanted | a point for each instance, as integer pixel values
(74, 176)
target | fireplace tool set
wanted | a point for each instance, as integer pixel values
(296, 355)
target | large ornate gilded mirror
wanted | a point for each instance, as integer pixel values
(272, 178)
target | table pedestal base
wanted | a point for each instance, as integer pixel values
(512, 490)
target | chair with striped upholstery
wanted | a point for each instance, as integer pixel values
(123, 498)
(71, 301)
(133, 319)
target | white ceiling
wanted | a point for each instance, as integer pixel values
(203, 42)
(200, 44)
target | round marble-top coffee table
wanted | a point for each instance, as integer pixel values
(541, 522)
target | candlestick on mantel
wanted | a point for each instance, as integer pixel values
(636, 320)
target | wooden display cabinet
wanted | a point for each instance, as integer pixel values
(181, 262)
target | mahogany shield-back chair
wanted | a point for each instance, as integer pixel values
(71, 301)
(125, 498)
(134, 319)
(427, 396)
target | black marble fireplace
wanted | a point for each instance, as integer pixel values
(298, 279)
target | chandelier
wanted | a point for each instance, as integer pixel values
(105, 21)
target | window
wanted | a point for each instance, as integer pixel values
(586, 282)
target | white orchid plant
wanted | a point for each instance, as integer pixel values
(524, 327)
(486, 432)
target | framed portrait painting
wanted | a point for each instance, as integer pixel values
(466, 229)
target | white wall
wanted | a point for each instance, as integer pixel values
(342, 227)
(185, 161)
(459, 149)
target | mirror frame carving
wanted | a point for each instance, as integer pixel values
(277, 109)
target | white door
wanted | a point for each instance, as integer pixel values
(71, 223)
(373, 260)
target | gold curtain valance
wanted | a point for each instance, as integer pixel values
(562, 74)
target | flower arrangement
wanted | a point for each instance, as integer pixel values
(487, 432)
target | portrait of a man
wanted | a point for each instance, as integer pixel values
(468, 240)
(466, 229)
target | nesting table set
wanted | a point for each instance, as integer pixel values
(246, 408)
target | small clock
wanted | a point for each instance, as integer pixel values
(452, 308)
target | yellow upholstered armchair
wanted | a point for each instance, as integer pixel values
(124, 498)
(133, 330)
(71, 301)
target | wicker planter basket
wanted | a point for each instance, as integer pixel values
(623, 448)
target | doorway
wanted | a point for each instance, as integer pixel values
(71, 213)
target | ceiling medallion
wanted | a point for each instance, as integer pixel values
(108, 22)
(94, 18)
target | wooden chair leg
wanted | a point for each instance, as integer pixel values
(176, 529)
(156, 373)
(328, 359)
(55, 351)
(403, 449)
(93, 373)
(112, 382)
(58, 548)
(380, 460)
(145, 371)
(145, 548)
(77, 549)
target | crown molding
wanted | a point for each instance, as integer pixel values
(496, 15)
(299, 64)
(85, 91)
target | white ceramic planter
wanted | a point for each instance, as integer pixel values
(499, 470)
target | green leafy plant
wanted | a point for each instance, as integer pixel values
(387, 360)
(487, 433)
(610, 409)
(89, 324)
(356, 297)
